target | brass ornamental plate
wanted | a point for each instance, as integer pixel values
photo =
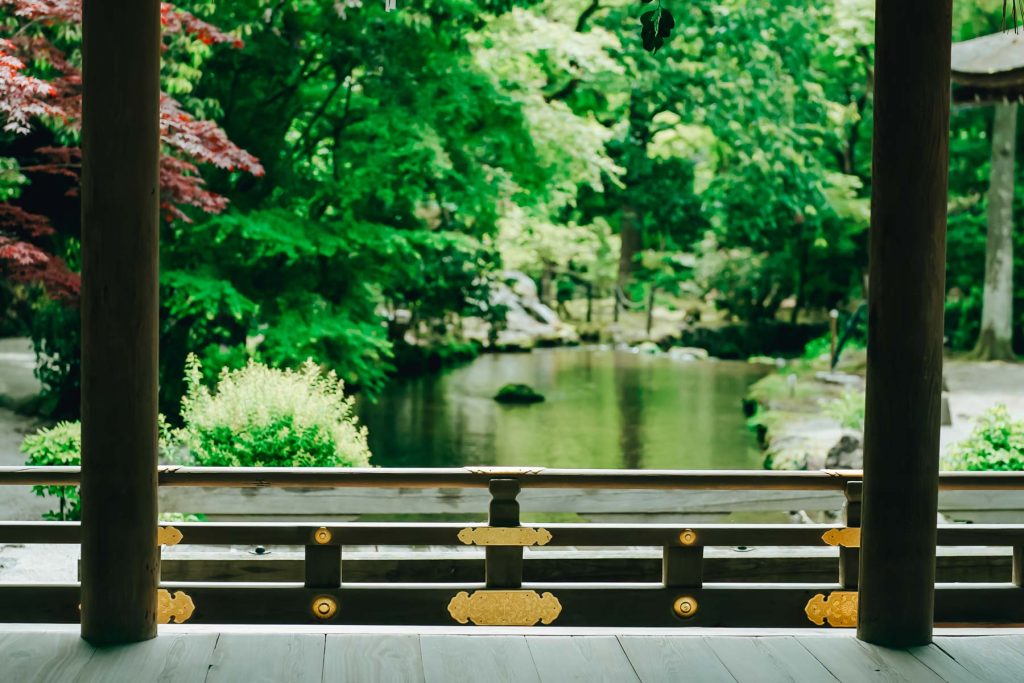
(168, 535)
(176, 608)
(509, 536)
(839, 609)
(848, 537)
(504, 608)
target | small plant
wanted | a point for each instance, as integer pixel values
(996, 443)
(518, 393)
(259, 416)
(847, 410)
(60, 445)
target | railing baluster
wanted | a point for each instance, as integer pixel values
(849, 558)
(323, 561)
(503, 566)
(682, 567)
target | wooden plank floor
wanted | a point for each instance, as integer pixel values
(46, 654)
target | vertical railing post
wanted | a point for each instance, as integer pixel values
(906, 291)
(1017, 572)
(119, 305)
(503, 565)
(682, 566)
(322, 561)
(849, 558)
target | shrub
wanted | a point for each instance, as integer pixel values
(997, 443)
(847, 410)
(60, 445)
(263, 417)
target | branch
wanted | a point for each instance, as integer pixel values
(563, 92)
(587, 13)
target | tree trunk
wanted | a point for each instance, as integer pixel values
(904, 369)
(995, 340)
(631, 243)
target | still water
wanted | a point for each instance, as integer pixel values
(604, 409)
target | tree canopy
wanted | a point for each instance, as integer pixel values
(345, 183)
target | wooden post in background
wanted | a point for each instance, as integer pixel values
(905, 318)
(849, 558)
(120, 236)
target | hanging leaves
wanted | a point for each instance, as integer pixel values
(655, 26)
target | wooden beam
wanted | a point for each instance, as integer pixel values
(905, 314)
(120, 197)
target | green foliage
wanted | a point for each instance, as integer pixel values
(412, 156)
(996, 443)
(847, 410)
(55, 330)
(60, 445)
(263, 417)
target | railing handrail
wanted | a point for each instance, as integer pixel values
(478, 477)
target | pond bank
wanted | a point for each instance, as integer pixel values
(806, 418)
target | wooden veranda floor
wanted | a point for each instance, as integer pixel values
(249, 655)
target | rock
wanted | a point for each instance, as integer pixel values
(528, 321)
(840, 378)
(519, 394)
(847, 454)
(514, 340)
(647, 347)
(688, 353)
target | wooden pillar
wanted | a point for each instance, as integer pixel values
(120, 194)
(905, 308)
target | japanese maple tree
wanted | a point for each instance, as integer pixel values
(41, 85)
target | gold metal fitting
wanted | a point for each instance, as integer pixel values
(323, 535)
(506, 536)
(176, 607)
(838, 608)
(324, 607)
(685, 606)
(688, 537)
(504, 607)
(847, 537)
(168, 535)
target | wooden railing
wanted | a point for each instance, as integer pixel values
(497, 595)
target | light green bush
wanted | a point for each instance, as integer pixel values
(264, 417)
(60, 445)
(996, 443)
(847, 410)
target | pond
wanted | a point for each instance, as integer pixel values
(604, 409)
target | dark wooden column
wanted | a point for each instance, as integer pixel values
(906, 288)
(120, 146)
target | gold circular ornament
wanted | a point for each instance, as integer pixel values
(324, 607)
(685, 606)
(688, 537)
(323, 535)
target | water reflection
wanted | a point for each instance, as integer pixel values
(604, 409)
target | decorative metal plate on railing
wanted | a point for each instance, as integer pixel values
(507, 536)
(176, 608)
(504, 608)
(839, 609)
(848, 537)
(168, 535)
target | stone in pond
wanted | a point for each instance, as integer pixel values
(518, 393)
